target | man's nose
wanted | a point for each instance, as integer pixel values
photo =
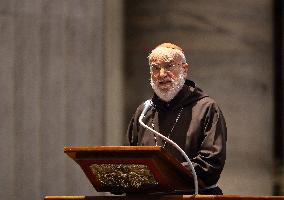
(162, 72)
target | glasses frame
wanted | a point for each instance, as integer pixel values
(169, 67)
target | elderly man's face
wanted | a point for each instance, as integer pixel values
(164, 74)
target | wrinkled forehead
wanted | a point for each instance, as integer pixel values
(163, 54)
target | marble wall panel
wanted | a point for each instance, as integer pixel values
(53, 92)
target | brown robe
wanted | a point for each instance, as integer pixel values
(200, 131)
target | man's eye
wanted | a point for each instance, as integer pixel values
(155, 67)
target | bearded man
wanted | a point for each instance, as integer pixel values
(182, 112)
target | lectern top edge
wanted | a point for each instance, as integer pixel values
(111, 148)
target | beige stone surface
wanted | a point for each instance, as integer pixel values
(54, 92)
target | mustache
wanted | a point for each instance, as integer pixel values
(167, 79)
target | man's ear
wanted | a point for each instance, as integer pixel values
(185, 67)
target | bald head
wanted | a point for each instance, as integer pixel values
(171, 46)
(167, 52)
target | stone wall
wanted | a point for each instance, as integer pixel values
(55, 92)
(229, 48)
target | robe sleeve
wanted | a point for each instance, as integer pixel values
(211, 156)
(133, 128)
(132, 137)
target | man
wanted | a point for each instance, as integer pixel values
(184, 113)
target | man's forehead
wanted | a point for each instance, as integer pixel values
(162, 54)
(159, 59)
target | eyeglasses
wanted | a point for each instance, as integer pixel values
(168, 67)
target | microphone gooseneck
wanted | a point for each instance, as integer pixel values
(147, 105)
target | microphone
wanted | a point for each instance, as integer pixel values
(147, 105)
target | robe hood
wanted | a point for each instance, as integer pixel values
(188, 95)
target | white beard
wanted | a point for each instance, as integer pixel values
(172, 92)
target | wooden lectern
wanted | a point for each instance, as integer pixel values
(140, 172)
(129, 169)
